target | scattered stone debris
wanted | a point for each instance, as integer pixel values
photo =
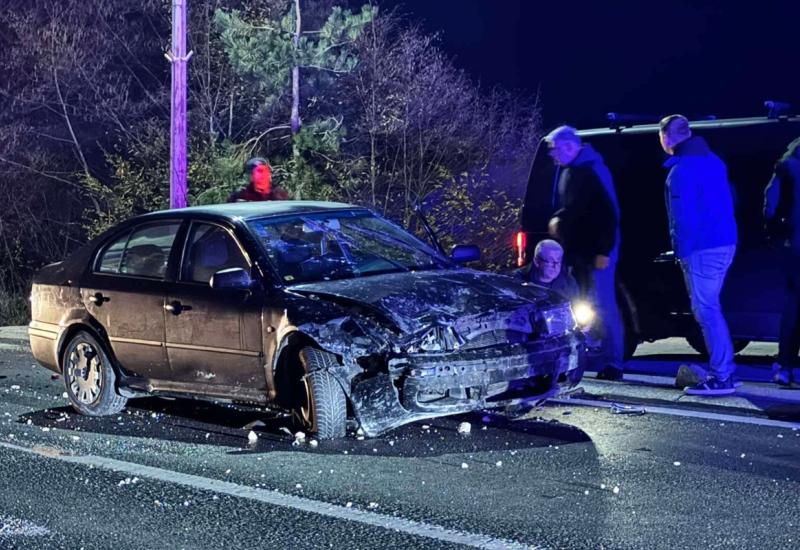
(464, 428)
(464, 465)
(252, 437)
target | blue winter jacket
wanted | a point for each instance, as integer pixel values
(699, 199)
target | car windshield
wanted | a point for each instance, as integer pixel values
(341, 245)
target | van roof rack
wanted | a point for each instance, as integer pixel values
(617, 121)
(777, 109)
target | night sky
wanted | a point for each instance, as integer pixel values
(591, 57)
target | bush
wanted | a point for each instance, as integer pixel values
(14, 309)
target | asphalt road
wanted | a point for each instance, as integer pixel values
(183, 474)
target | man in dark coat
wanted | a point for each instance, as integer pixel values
(782, 201)
(588, 225)
(260, 187)
(702, 227)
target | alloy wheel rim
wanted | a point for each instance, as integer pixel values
(84, 366)
(306, 409)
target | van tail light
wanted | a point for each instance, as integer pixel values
(521, 242)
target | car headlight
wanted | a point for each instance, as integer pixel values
(558, 320)
(584, 314)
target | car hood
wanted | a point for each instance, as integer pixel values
(415, 300)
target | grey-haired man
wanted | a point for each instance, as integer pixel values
(588, 225)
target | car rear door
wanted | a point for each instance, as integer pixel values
(214, 337)
(125, 293)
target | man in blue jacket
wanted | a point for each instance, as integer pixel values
(703, 231)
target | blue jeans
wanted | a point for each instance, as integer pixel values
(704, 272)
(598, 287)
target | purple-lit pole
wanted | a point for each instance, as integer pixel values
(178, 58)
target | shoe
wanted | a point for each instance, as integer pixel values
(710, 387)
(781, 375)
(690, 375)
(609, 373)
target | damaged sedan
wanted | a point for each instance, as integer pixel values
(325, 310)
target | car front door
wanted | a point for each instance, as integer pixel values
(214, 337)
(125, 294)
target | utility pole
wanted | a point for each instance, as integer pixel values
(178, 58)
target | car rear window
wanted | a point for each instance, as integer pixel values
(144, 252)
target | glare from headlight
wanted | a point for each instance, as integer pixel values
(584, 314)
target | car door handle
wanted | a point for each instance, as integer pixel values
(176, 308)
(99, 299)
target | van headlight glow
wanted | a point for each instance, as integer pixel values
(584, 314)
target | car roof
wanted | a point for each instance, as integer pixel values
(704, 124)
(249, 210)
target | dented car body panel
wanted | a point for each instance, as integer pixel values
(414, 335)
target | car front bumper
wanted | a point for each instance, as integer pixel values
(440, 384)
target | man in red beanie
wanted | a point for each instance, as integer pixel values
(260, 187)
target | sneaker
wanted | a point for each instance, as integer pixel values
(609, 372)
(712, 386)
(690, 375)
(781, 375)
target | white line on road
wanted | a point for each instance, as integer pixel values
(684, 412)
(277, 498)
(13, 527)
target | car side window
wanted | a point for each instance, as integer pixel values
(211, 248)
(144, 252)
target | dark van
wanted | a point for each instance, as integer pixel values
(651, 292)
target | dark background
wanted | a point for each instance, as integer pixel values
(587, 58)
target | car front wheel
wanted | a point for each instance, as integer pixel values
(90, 378)
(323, 408)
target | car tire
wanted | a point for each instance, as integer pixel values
(627, 309)
(324, 411)
(89, 377)
(698, 343)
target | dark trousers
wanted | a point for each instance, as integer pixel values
(789, 343)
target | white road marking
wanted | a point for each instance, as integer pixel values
(14, 347)
(684, 412)
(13, 527)
(277, 498)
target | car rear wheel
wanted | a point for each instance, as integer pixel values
(323, 407)
(698, 343)
(90, 378)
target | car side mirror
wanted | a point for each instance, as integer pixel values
(234, 278)
(463, 253)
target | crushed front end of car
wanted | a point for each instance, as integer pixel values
(455, 364)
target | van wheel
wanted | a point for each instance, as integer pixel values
(627, 310)
(698, 343)
(323, 406)
(90, 378)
